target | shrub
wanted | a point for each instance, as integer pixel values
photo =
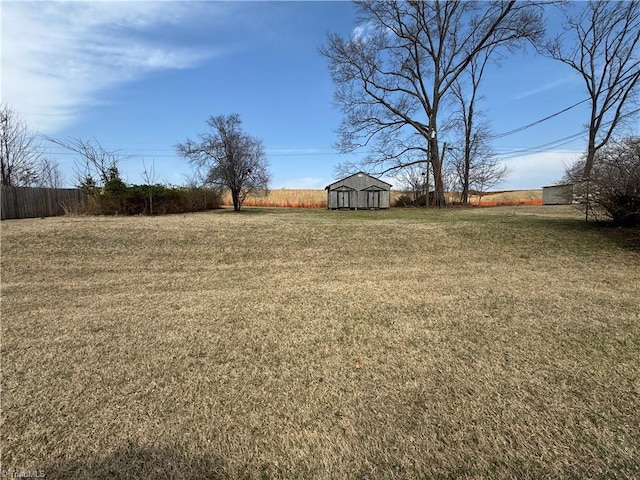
(411, 200)
(148, 200)
(613, 189)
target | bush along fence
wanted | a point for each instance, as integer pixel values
(150, 200)
(26, 202)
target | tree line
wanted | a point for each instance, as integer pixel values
(412, 75)
(225, 158)
(408, 84)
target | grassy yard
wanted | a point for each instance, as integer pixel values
(277, 343)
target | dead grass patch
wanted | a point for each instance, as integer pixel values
(484, 343)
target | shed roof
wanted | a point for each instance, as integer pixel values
(559, 185)
(328, 187)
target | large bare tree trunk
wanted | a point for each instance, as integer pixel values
(439, 199)
(235, 196)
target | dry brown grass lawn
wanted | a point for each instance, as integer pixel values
(487, 343)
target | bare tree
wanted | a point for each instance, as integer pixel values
(472, 156)
(476, 163)
(49, 174)
(393, 74)
(197, 178)
(414, 179)
(95, 166)
(20, 151)
(602, 44)
(486, 173)
(150, 179)
(233, 159)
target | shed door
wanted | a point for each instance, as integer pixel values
(343, 199)
(373, 199)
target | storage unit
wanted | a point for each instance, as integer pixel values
(562, 194)
(358, 191)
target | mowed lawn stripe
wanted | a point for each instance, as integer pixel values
(281, 343)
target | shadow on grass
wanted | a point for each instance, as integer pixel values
(575, 232)
(140, 462)
(228, 210)
(625, 237)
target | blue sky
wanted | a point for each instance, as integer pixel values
(141, 76)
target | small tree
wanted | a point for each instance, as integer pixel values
(49, 174)
(613, 191)
(486, 173)
(150, 179)
(232, 159)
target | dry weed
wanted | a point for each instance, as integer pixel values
(318, 344)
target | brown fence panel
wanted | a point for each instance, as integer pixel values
(26, 202)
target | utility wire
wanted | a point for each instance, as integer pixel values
(537, 122)
(559, 142)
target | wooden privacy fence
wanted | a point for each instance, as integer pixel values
(26, 202)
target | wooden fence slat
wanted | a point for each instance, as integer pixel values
(27, 202)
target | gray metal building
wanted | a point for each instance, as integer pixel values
(562, 194)
(358, 191)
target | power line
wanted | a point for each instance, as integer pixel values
(559, 142)
(537, 122)
(542, 148)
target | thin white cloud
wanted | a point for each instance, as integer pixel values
(537, 170)
(546, 87)
(362, 32)
(60, 57)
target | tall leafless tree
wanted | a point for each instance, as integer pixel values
(21, 152)
(602, 44)
(233, 159)
(476, 164)
(472, 161)
(395, 71)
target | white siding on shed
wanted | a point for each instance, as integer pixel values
(558, 194)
